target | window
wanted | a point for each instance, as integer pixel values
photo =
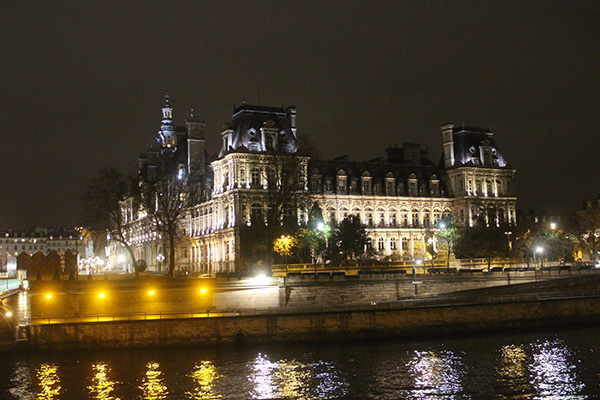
(381, 244)
(315, 183)
(255, 176)
(331, 215)
(404, 244)
(389, 187)
(405, 218)
(426, 219)
(412, 188)
(437, 215)
(242, 175)
(341, 185)
(415, 218)
(256, 212)
(393, 244)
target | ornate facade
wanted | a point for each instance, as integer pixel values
(400, 198)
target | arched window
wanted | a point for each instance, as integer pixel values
(331, 214)
(393, 217)
(405, 242)
(381, 244)
(393, 244)
(437, 215)
(369, 217)
(404, 216)
(415, 217)
(426, 218)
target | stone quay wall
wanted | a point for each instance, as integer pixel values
(295, 327)
(128, 297)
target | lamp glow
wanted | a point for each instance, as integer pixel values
(203, 290)
(101, 295)
(8, 314)
(48, 296)
(151, 293)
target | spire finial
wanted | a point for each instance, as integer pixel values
(167, 100)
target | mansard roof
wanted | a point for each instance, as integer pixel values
(248, 121)
(396, 165)
(467, 143)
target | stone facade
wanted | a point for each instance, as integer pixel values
(399, 198)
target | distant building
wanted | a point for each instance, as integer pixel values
(33, 240)
(399, 197)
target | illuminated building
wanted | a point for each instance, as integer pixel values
(43, 240)
(399, 198)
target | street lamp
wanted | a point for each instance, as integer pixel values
(160, 258)
(418, 261)
(538, 249)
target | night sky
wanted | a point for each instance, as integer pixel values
(82, 84)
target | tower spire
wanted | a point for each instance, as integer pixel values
(166, 135)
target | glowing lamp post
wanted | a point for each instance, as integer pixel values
(538, 249)
(160, 258)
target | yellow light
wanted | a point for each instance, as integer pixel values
(48, 296)
(101, 295)
(203, 290)
(8, 314)
(151, 293)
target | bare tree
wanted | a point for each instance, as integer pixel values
(167, 198)
(102, 211)
(286, 194)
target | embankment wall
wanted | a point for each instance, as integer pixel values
(75, 298)
(316, 326)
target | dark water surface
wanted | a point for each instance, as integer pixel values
(562, 364)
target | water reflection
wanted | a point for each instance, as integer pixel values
(102, 386)
(436, 374)
(204, 376)
(513, 371)
(49, 382)
(553, 375)
(153, 385)
(21, 382)
(293, 380)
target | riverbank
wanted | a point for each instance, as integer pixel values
(317, 326)
(181, 312)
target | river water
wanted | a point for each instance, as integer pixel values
(560, 364)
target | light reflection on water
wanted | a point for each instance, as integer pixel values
(553, 374)
(291, 379)
(153, 386)
(49, 382)
(204, 376)
(543, 366)
(102, 386)
(512, 370)
(436, 375)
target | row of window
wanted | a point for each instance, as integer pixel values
(367, 185)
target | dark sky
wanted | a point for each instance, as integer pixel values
(82, 84)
